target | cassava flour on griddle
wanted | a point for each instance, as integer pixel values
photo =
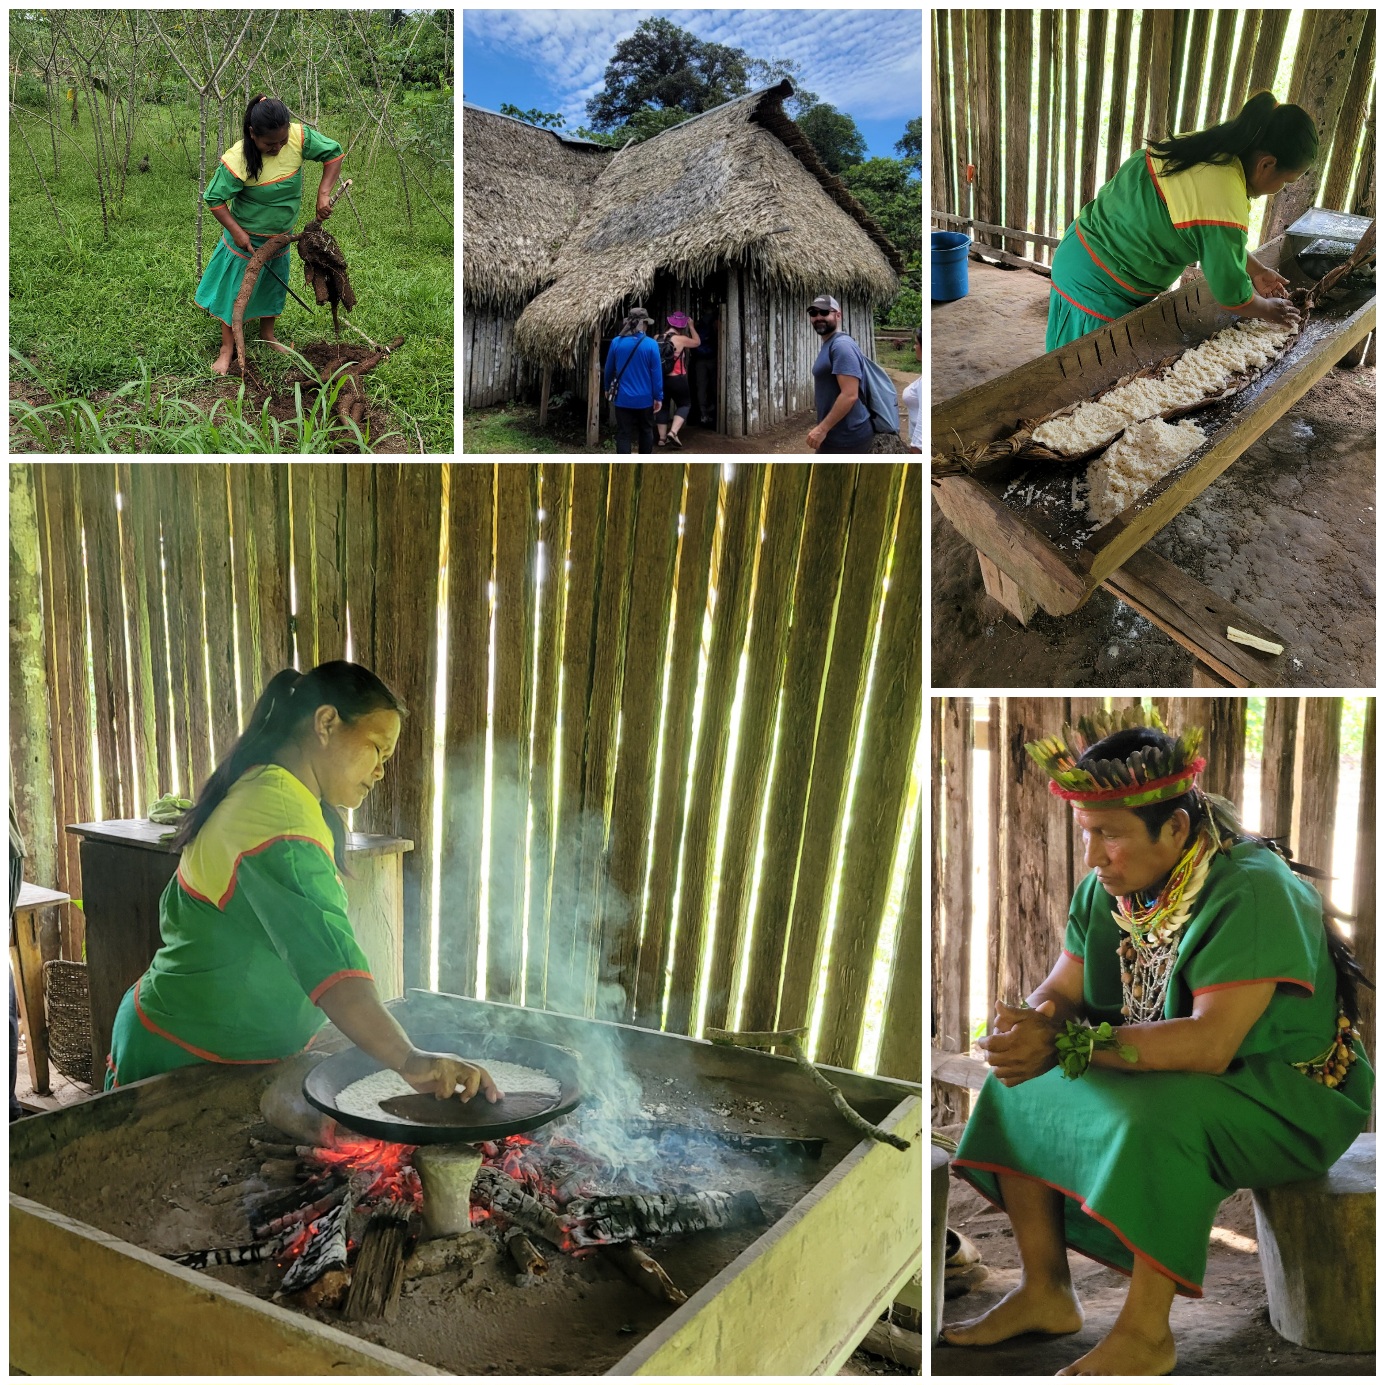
(1129, 467)
(1205, 370)
(363, 1097)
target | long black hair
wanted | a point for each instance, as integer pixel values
(263, 114)
(1220, 816)
(1263, 126)
(290, 699)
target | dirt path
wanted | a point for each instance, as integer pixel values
(1226, 1332)
(1287, 533)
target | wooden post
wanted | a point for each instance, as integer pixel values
(1225, 31)
(1019, 47)
(963, 82)
(1363, 195)
(31, 760)
(1250, 30)
(1223, 722)
(1115, 130)
(733, 363)
(1277, 766)
(1043, 221)
(998, 874)
(1180, 39)
(1274, 25)
(952, 926)
(985, 58)
(1328, 69)
(594, 392)
(1004, 590)
(1196, 66)
(1317, 773)
(1091, 106)
(1348, 127)
(901, 1043)
(1074, 18)
(944, 162)
(545, 384)
(1160, 25)
(1363, 932)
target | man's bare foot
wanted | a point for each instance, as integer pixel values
(222, 364)
(1125, 1352)
(1027, 1308)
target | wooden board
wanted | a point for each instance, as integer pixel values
(1052, 558)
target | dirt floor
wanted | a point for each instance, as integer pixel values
(1226, 1332)
(1287, 533)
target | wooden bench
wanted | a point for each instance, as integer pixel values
(1317, 1251)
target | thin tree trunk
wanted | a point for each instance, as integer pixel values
(52, 129)
(17, 126)
(201, 169)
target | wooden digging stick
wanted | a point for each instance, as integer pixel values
(789, 1039)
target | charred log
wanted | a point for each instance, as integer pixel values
(448, 1253)
(633, 1217)
(643, 1269)
(528, 1261)
(226, 1255)
(378, 1274)
(502, 1194)
(325, 1250)
(276, 1226)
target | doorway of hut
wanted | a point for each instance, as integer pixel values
(704, 302)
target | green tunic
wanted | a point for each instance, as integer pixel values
(1139, 233)
(1144, 1158)
(254, 929)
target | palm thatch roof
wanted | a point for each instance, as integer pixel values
(522, 191)
(737, 185)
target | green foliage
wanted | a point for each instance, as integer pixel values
(834, 136)
(1353, 725)
(426, 130)
(548, 120)
(514, 427)
(1077, 1042)
(647, 122)
(29, 91)
(665, 66)
(886, 190)
(763, 73)
(910, 147)
(906, 310)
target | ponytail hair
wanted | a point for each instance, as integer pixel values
(289, 700)
(1263, 126)
(264, 113)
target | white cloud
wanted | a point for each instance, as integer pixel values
(866, 62)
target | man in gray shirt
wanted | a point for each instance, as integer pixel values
(843, 420)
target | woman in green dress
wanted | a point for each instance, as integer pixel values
(258, 952)
(1231, 1060)
(255, 193)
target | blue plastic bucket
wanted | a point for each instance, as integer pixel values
(950, 250)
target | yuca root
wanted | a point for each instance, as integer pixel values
(324, 269)
(789, 1039)
(258, 260)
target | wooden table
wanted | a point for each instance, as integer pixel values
(27, 958)
(125, 866)
(1033, 553)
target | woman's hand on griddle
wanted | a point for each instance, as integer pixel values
(444, 1074)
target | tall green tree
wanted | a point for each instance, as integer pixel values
(834, 135)
(763, 73)
(910, 148)
(664, 66)
(548, 120)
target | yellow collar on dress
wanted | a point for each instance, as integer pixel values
(265, 805)
(1204, 195)
(283, 165)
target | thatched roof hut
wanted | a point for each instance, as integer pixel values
(737, 186)
(523, 190)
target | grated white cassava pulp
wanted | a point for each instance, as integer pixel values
(363, 1097)
(1130, 466)
(1205, 370)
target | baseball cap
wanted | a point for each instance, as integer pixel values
(825, 300)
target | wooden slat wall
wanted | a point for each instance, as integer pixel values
(601, 894)
(1035, 854)
(1190, 69)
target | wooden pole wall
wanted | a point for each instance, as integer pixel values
(1154, 73)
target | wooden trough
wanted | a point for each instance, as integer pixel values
(795, 1301)
(1037, 553)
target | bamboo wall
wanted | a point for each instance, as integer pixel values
(628, 901)
(493, 372)
(1106, 82)
(1035, 852)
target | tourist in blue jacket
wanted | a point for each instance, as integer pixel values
(634, 370)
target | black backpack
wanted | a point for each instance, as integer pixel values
(668, 353)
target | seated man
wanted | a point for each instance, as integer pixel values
(1231, 1061)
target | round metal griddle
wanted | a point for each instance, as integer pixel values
(424, 1120)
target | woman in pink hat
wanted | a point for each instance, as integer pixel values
(675, 341)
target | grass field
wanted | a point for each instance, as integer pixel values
(92, 315)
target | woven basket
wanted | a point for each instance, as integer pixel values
(69, 1018)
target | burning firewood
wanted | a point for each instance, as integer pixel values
(636, 1217)
(502, 1194)
(276, 1226)
(525, 1255)
(327, 1292)
(789, 1039)
(325, 1249)
(379, 1270)
(643, 1269)
(283, 1169)
(268, 1149)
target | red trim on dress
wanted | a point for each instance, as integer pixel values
(1256, 981)
(332, 981)
(1235, 225)
(255, 851)
(1077, 231)
(187, 1047)
(1191, 1290)
(1154, 178)
(1079, 306)
(1081, 961)
(110, 1068)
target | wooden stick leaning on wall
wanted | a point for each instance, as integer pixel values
(789, 1039)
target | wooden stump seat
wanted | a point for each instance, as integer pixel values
(1317, 1251)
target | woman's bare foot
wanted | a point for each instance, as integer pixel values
(222, 364)
(1125, 1352)
(1049, 1309)
(270, 339)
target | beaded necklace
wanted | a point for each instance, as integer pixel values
(1152, 932)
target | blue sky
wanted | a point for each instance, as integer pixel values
(868, 63)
